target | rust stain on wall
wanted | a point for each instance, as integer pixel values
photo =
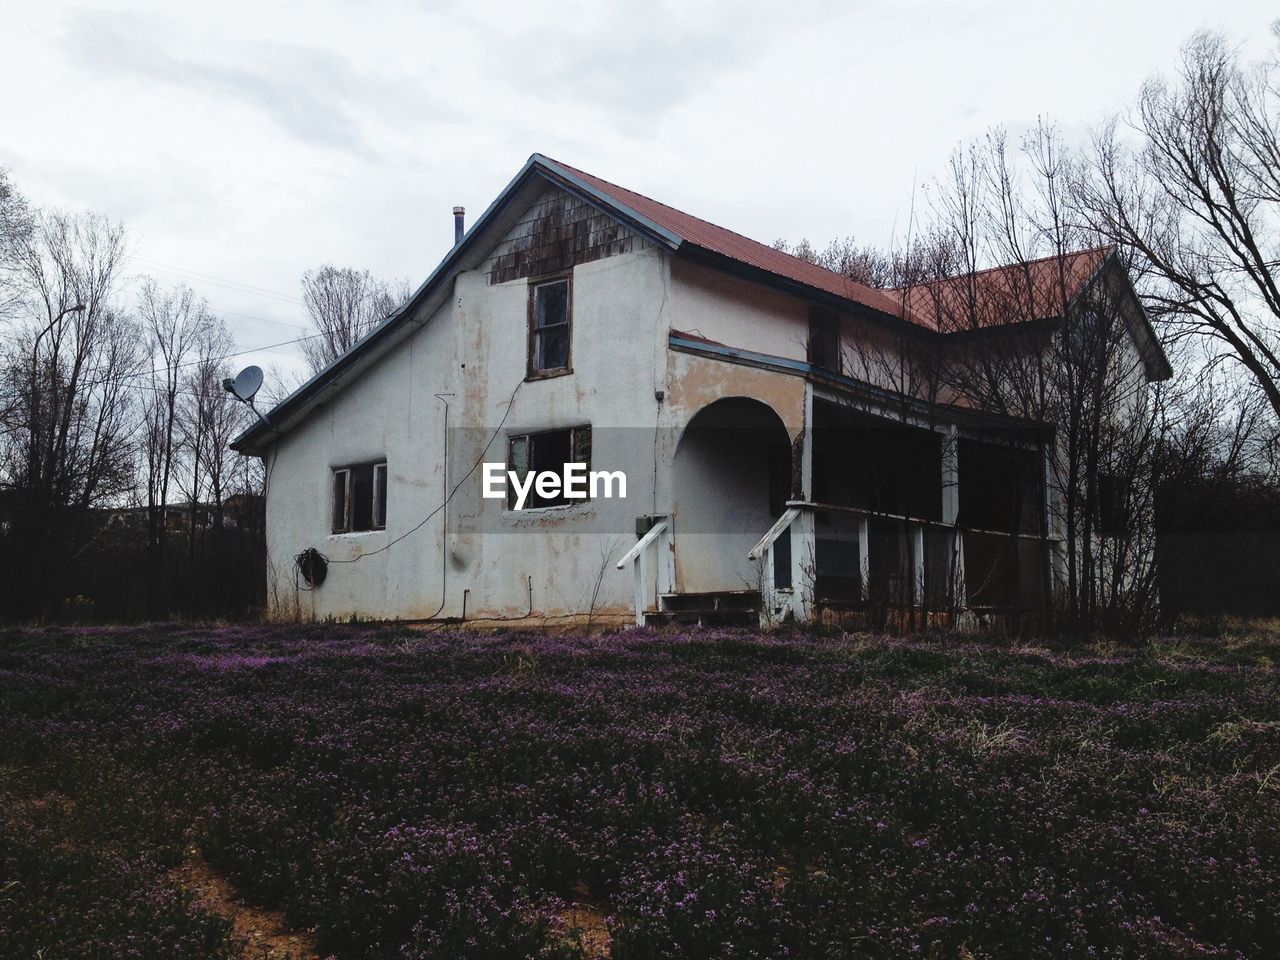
(696, 382)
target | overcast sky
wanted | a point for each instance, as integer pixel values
(243, 143)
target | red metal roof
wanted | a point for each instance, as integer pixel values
(1036, 290)
(735, 246)
(1001, 295)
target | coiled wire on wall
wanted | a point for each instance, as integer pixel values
(312, 566)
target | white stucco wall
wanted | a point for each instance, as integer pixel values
(474, 348)
(738, 313)
(389, 412)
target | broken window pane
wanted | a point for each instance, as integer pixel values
(547, 452)
(553, 303)
(362, 497)
(1001, 487)
(359, 497)
(582, 446)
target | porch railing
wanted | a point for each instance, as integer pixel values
(658, 539)
(913, 561)
(928, 561)
(780, 526)
(773, 596)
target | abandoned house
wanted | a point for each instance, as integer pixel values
(784, 451)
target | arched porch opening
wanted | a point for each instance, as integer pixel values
(731, 480)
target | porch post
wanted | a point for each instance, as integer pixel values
(641, 574)
(806, 447)
(804, 564)
(768, 591)
(917, 564)
(1056, 561)
(959, 597)
(864, 558)
(950, 474)
(666, 558)
(957, 590)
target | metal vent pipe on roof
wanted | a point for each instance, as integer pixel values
(458, 228)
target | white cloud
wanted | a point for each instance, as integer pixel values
(252, 141)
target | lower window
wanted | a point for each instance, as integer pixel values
(360, 497)
(547, 452)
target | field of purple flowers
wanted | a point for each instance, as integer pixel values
(705, 795)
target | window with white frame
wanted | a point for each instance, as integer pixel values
(359, 497)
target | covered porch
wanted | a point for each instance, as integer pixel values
(869, 513)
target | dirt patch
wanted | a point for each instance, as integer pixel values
(585, 924)
(581, 921)
(263, 932)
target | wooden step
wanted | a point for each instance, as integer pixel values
(719, 608)
(744, 600)
(703, 618)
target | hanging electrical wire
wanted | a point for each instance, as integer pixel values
(467, 476)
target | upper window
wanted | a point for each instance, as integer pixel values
(360, 498)
(549, 321)
(547, 452)
(824, 340)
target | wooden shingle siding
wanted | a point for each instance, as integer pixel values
(556, 233)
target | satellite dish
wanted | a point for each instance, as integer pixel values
(246, 384)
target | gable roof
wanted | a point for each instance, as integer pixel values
(703, 236)
(1034, 290)
(1042, 289)
(664, 226)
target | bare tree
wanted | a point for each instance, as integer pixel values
(208, 417)
(208, 421)
(102, 410)
(1044, 348)
(865, 264)
(343, 305)
(70, 411)
(1049, 339)
(174, 322)
(15, 224)
(1190, 185)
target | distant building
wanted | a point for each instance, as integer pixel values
(241, 510)
(177, 516)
